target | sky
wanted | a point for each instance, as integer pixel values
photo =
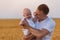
(12, 9)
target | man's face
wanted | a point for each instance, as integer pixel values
(39, 14)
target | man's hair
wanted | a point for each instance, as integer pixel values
(44, 8)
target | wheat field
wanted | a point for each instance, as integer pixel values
(10, 30)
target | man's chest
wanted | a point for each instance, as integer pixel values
(40, 25)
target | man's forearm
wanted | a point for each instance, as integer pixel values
(35, 32)
(38, 33)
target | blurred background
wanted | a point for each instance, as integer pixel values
(11, 13)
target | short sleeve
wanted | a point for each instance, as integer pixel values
(49, 26)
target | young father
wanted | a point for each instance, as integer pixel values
(43, 23)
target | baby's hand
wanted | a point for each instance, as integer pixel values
(21, 23)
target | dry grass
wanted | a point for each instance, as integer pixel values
(56, 34)
(10, 30)
(10, 34)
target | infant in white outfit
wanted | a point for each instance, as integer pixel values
(28, 16)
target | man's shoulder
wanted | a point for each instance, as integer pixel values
(51, 21)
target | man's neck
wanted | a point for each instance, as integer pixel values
(42, 19)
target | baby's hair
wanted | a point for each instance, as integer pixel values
(28, 10)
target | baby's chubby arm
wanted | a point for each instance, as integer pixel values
(22, 23)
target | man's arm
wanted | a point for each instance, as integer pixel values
(39, 33)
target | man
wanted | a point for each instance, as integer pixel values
(44, 24)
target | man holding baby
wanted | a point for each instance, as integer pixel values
(40, 27)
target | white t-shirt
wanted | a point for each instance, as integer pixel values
(47, 24)
(30, 22)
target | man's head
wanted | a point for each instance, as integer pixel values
(42, 11)
(27, 13)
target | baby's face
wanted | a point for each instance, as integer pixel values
(26, 14)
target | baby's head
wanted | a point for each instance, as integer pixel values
(27, 13)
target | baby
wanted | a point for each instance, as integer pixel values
(28, 16)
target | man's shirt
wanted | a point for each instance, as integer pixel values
(47, 24)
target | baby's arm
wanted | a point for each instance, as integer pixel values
(21, 23)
